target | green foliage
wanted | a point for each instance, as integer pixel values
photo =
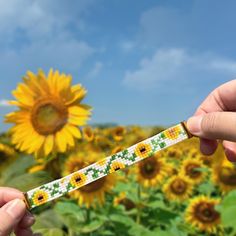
(15, 175)
(227, 208)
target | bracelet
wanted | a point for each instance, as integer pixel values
(101, 168)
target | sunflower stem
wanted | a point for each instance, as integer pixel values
(87, 215)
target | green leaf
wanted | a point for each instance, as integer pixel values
(18, 167)
(93, 226)
(67, 207)
(47, 220)
(27, 181)
(71, 214)
(206, 188)
(50, 232)
(156, 204)
(139, 230)
(123, 219)
(162, 215)
(227, 208)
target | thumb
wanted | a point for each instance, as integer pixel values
(214, 125)
(10, 215)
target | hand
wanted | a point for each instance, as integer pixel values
(13, 213)
(215, 119)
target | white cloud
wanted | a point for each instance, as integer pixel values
(127, 46)
(175, 65)
(38, 34)
(224, 64)
(94, 72)
(40, 18)
(4, 103)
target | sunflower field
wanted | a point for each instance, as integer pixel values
(176, 192)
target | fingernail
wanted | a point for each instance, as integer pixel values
(30, 220)
(194, 125)
(231, 155)
(15, 208)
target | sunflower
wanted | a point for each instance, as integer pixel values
(103, 143)
(190, 168)
(224, 176)
(172, 133)
(92, 193)
(172, 152)
(118, 133)
(201, 214)
(178, 188)
(88, 133)
(121, 199)
(116, 165)
(152, 171)
(78, 179)
(49, 114)
(143, 150)
(40, 197)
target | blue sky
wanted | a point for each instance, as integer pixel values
(142, 62)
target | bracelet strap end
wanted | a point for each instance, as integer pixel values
(26, 201)
(184, 124)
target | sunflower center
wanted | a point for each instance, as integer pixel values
(178, 186)
(94, 186)
(89, 132)
(40, 197)
(149, 168)
(172, 153)
(49, 116)
(228, 176)
(206, 213)
(127, 203)
(119, 132)
(191, 170)
(3, 156)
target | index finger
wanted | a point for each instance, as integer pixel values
(222, 98)
(8, 194)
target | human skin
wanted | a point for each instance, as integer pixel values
(13, 213)
(215, 119)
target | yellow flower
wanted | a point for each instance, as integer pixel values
(151, 171)
(103, 143)
(118, 133)
(92, 193)
(201, 214)
(178, 188)
(88, 133)
(172, 152)
(40, 197)
(49, 114)
(78, 179)
(36, 168)
(189, 168)
(116, 165)
(224, 176)
(143, 150)
(172, 133)
(77, 161)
